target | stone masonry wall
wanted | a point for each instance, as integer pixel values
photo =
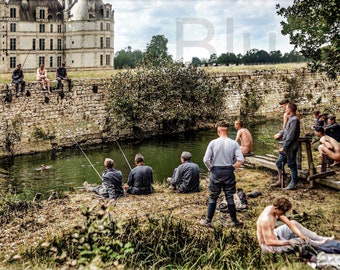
(33, 124)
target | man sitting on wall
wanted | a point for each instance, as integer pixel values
(62, 76)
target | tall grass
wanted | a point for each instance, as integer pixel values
(152, 242)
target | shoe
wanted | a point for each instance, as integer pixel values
(289, 187)
(236, 223)
(277, 184)
(44, 88)
(204, 223)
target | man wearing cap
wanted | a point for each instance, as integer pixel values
(140, 179)
(18, 78)
(222, 157)
(333, 128)
(283, 103)
(290, 146)
(186, 177)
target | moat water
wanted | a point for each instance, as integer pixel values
(70, 168)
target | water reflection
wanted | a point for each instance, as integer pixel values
(70, 168)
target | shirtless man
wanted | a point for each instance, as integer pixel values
(330, 147)
(285, 237)
(244, 136)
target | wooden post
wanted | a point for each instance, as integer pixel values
(311, 168)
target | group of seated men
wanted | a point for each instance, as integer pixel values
(18, 78)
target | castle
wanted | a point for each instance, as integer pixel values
(79, 32)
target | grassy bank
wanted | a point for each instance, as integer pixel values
(31, 76)
(160, 230)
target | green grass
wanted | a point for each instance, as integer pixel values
(86, 74)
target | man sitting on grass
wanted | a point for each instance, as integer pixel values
(285, 237)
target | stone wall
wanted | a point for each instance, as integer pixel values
(43, 122)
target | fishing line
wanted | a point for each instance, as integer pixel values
(123, 153)
(85, 155)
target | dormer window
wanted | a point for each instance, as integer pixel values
(13, 13)
(41, 14)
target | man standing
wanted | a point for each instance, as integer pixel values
(140, 178)
(290, 146)
(112, 186)
(18, 78)
(285, 237)
(62, 76)
(186, 177)
(219, 159)
(245, 137)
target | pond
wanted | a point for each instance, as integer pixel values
(70, 168)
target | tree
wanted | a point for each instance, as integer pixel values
(313, 27)
(157, 52)
(128, 58)
(195, 61)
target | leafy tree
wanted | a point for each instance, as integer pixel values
(227, 58)
(127, 58)
(213, 59)
(195, 61)
(313, 27)
(157, 52)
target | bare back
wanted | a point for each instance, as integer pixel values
(265, 226)
(246, 139)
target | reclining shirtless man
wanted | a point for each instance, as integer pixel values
(285, 237)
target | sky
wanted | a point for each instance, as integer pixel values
(199, 28)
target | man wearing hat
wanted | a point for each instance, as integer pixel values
(18, 78)
(186, 177)
(333, 128)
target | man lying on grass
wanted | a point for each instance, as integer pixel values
(285, 237)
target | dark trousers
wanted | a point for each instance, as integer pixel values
(222, 178)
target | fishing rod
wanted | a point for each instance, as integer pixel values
(85, 155)
(123, 153)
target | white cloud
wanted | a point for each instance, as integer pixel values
(204, 24)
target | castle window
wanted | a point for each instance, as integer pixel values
(59, 28)
(51, 44)
(51, 61)
(107, 60)
(33, 44)
(41, 60)
(12, 62)
(101, 60)
(13, 13)
(101, 26)
(59, 44)
(108, 14)
(12, 44)
(42, 28)
(42, 14)
(101, 42)
(107, 42)
(108, 26)
(13, 27)
(59, 16)
(51, 28)
(41, 44)
(58, 61)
